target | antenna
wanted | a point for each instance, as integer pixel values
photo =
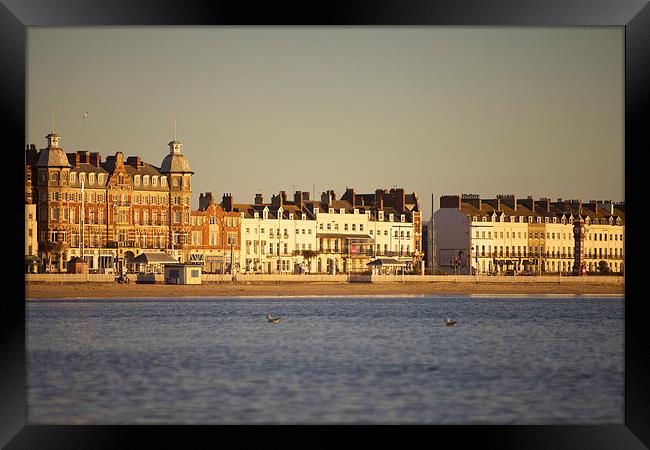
(174, 128)
(52, 121)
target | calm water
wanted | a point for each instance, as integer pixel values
(510, 360)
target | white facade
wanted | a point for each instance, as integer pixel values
(271, 244)
(31, 240)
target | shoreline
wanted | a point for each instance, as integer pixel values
(62, 290)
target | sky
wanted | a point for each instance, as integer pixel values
(436, 110)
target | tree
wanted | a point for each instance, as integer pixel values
(50, 249)
(603, 267)
(308, 255)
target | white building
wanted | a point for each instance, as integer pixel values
(329, 236)
(510, 236)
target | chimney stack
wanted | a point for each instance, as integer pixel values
(226, 201)
(297, 199)
(379, 199)
(258, 199)
(96, 159)
(450, 201)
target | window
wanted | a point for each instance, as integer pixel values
(73, 177)
(136, 180)
(154, 181)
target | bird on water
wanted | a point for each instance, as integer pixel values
(449, 322)
(273, 320)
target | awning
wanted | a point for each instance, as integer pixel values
(154, 258)
(343, 235)
(386, 262)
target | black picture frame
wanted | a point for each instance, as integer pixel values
(634, 15)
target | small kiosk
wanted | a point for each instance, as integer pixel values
(182, 274)
(77, 265)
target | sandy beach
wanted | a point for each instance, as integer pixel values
(35, 290)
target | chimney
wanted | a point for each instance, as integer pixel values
(283, 198)
(226, 201)
(472, 199)
(258, 199)
(134, 161)
(328, 197)
(400, 199)
(379, 199)
(508, 200)
(349, 196)
(529, 203)
(305, 196)
(73, 159)
(31, 155)
(96, 159)
(84, 156)
(450, 201)
(546, 204)
(297, 199)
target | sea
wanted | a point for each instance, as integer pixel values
(519, 359)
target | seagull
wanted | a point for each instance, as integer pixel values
(449, 322)
(85, 115)
(273, 320)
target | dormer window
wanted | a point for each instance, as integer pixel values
(554, 219)
(256, 215)
(545, 219)
(82, 177)
(100, 178)
(163, 181)
(402, 218)
(356, 211)
(530, 219)
(331, 210)
(571, 220)
(539, 220)
(483, 219)
(391, 217)
(154, 181)
(341, 210)
(136, 180)
(381, 215)
(290, 216)
(145, 180)
(73, 177)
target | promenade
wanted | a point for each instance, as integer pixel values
(39, 290)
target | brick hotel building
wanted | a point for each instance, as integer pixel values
(129, 206)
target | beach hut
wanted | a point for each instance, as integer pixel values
(182, 274)
(386, 266)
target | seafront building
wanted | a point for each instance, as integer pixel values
(506, 235)
(329, 235)
(107, 211)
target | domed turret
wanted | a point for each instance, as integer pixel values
(175, 161)
(53, 155)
